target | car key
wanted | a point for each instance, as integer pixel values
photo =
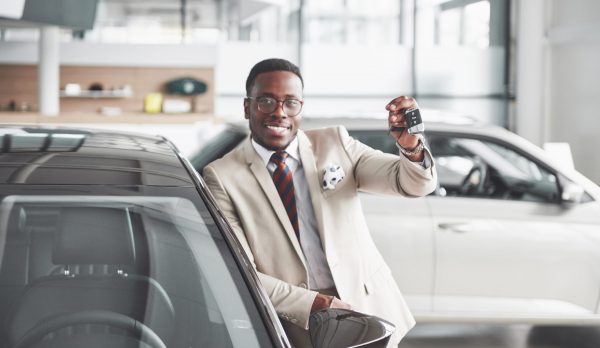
(414, 122)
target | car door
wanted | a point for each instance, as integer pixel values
(505, 245)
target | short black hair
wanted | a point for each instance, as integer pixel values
(272, 64)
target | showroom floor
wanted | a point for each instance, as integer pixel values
(500, 336)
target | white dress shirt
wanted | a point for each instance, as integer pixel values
(318, 269)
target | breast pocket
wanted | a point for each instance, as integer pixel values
(342, 186)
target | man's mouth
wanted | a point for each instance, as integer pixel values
(278, 128)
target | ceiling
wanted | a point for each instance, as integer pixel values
(199, 13)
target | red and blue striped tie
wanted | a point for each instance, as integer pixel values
(284, 182)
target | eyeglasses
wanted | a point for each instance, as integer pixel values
(291, 107)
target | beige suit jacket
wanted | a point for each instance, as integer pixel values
(244, 190)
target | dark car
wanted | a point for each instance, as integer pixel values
(112, 240)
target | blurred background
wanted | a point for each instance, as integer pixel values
(529, 66)
(178, 68)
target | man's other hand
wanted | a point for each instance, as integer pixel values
(325, 301)
(337, 303)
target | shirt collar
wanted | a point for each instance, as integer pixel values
(265, 154)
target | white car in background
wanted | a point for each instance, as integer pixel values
(509, 235)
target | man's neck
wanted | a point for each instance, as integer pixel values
(265, 154)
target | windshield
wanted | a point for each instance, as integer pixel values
(148, 270)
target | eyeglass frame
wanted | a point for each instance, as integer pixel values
(277, 105)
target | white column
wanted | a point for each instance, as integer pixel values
(531, 61)
(48, 71)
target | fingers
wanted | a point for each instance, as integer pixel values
(395, 107)
(337, 303)
(396, 119)
(401, 102)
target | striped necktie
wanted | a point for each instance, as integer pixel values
(282, 177)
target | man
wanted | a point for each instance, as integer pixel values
(307, 237)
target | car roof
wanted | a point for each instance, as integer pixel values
(377, 120)
(44, 155)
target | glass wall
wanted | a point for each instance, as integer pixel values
(461, 57)
(353, 21)
(454, 23)
(154, 21)
(451, 54)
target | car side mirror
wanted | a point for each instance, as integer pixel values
(571, 194)
(339, 328)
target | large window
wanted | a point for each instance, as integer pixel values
(459, 24)
(471, 23)
(353, 22)
(155, 21)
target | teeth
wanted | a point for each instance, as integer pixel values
(277, 128)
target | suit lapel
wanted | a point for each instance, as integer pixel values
(257, 167)
(309, 164)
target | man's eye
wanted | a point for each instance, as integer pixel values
(267, 101)
(292, 103)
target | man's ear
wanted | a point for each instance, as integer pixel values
(246, 108)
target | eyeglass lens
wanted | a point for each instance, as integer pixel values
(292, 107)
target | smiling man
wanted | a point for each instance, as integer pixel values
(292, 199)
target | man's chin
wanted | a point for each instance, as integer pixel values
(278, 145)
(275, 143)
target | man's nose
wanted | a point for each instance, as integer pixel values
(279, 112)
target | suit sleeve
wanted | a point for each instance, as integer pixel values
(380, 172)
(291, 302)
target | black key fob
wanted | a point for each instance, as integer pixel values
(414, 123)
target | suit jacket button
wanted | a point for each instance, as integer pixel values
(303, 285)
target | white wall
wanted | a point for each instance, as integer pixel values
(331, 70)
(531, 71)
(460, 71)
(574, 98)
(235, 59)
(558, 89)
(83, 53)
(365, 70)
(333, 75)
(465, 80)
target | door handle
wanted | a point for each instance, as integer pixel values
(457, 227)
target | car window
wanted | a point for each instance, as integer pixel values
(377, 139)
(151, 269)
(470, 167)
(216, 147)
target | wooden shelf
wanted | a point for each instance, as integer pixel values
(97, 94)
